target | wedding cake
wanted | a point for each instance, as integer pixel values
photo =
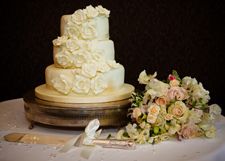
(84, 69)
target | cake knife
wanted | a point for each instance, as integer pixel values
(31, 138)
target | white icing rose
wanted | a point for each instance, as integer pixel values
(79, 58)
(98, 84)
(81, 84)
(60, 40)
(89, 70)
(97, 57)
(91, 11)
(88, 30)
(72, 31)
(102, 11)
(72, 44)
(78, 17)
(102, 67)
(113, 64)
(64, 59)
(62, 84)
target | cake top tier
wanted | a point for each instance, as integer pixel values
(87, 24)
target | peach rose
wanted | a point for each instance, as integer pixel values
(151, 118)
(161, 101)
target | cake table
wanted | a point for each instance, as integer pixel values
(12, 119)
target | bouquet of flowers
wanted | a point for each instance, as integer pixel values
(172, 108)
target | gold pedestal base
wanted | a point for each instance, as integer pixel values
(112, 114)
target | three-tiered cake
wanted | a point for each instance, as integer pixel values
(84, 69)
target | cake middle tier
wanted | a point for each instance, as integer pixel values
(79, 81)
(73, 53)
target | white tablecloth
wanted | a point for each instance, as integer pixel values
(12, 119)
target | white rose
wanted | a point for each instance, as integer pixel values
(199, 92)
(79, 57)
(91, 11)
(78, 17)
(88, 30)
(81, 84)
(72, 45)
(98, 84)
(89, 70)
(60, 40)
(64, 59)
(188, 82)
(102, 10)
(62, 84)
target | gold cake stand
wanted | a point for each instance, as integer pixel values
(78, 115)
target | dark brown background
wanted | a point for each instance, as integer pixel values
(156, 35)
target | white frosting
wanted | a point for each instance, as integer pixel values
(95, 28)
(84, 56)
(73, 80)
(71, 53)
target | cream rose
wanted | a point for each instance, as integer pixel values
(151, 118)
(81, 84)
(154, 109)
(89, 70)
(91, 11)
(78, 17)
(88, 30)
(177, 109)
(98, 84)
(64, 59)
(102, 10)
(177, 93)
(62, 84)
(136, 113)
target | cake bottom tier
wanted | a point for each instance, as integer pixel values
(44, 93)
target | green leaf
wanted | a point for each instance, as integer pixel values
(174, 73)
